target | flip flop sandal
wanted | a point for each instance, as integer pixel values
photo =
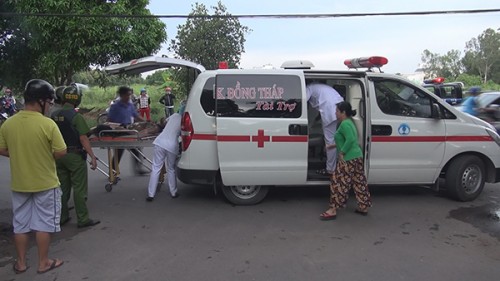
(53, 265)
(327, 217)
(359, 212)
(18, 271)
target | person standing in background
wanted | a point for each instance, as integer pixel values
(144, 105)
(168, 101)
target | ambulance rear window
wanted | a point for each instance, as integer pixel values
(258, 96)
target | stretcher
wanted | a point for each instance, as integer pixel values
(114, 140)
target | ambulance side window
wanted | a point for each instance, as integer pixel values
(259, 96)
(397, 98)
(207, 100)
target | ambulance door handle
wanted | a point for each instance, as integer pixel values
(381, 130)
(297, 129)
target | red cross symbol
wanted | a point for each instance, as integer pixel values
(260, 138)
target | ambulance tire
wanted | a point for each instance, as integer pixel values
(245, 194)
(465, 178)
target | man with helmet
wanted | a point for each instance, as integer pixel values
(72, 168)
(168, 101)
(144, 102)
(57, 101)
(470, 105)
(33, 142)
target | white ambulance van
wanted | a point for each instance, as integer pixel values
(248, 130)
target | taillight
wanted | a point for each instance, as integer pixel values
(187, 131)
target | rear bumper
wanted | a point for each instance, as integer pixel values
(196, 176)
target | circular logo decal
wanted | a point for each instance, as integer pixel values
(404, 129)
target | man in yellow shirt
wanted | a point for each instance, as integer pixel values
(33, 142)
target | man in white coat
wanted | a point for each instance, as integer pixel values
(324, 98)
(166, 147)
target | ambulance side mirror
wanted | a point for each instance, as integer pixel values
(435, 111)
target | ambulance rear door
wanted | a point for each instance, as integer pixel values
(261, 119)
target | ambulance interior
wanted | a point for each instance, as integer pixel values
(351, 91)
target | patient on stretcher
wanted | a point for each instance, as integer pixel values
(141, 130)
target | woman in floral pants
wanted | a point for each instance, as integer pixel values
(349, 171)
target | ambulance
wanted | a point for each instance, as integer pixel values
(246, 130)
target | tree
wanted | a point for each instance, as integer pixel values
(482, 54)
(449, 65)
(61, 45)
(211, 39)
(15, 55)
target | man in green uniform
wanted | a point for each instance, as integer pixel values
(72, 168)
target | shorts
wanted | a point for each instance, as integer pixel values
(37, 211)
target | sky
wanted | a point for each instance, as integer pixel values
(327, 42)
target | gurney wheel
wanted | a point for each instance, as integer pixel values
(108, 187)
(116, 180)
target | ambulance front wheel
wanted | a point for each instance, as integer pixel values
(465, 178)
(245, 194)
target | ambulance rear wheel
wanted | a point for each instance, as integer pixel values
(245, 194)
(465, 178)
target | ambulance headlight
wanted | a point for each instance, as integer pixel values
(494, 135)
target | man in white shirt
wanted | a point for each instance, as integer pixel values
(166, 148)
(324, 98)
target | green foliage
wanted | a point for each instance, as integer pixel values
(481, 59)
(482, 54)
(99, 78)
(448, 66)
(469, 80)
(209, 40)
(163, 78)
(58, 47)
(490, 86)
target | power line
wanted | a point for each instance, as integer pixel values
(249, 16)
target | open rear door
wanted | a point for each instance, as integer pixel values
(262, 127)
(151, 63)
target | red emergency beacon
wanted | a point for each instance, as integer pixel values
(223, 65)
(366, 62)
(437, 80)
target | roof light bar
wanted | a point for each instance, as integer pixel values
(437, 80)
(223, 65)
(366, 62)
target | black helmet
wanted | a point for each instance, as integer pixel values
(71, 94)
(59, 93)
(37, 89)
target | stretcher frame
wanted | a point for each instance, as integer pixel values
(127, 140)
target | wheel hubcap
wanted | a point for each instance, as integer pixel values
(471, 179)
(245, 191)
